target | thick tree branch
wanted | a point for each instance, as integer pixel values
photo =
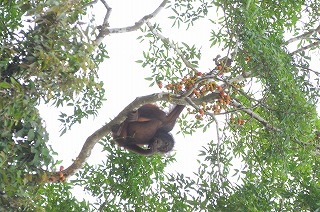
(103, 131)
(105, 30)
(109, 10)
(104, 27)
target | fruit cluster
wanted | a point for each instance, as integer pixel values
(201, 87)
(237, 120)
(204, 87)
(61, 176)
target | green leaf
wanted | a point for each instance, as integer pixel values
(148, 78)
(4, 85)
(30, 135)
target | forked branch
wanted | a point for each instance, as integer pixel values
(105, 29)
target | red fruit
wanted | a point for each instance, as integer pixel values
(60, 174)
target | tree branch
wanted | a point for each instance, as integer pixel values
(303, 36)
(167, 41)
(109, 9)
(92, 140)
(139, 101)
(266, 124)
(253, 115)
(105, 30)
(103, 131)
(241, 77)
(306, 47)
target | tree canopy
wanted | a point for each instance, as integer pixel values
(259, 99)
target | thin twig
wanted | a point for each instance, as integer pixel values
(138, 24)
(303, 36)
(90, 3)
(305, 48)
(253, 115)
(177, 50)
